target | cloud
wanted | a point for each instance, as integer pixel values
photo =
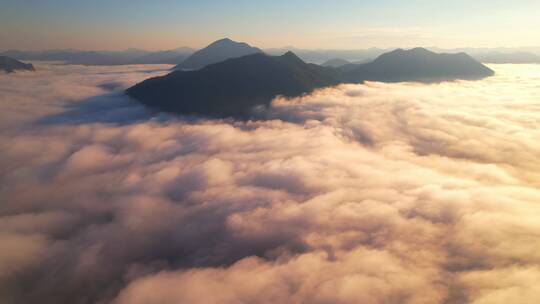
(356, 275)
(374, 193)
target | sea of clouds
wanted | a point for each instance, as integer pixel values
(375, 193)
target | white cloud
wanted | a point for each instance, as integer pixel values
(377, 192)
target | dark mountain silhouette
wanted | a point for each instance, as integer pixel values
(232, 87)
(417, 64)
(129, 56)
(335, 63)
(9, 65)
(235, 86)
(216, 52)
(499, 57)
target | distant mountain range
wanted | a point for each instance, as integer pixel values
(213, 53)
(226, 48)
(500, 55)
(484, 55)
(216, 52)
(10, 65)
(129, 56)
(235, 87)
(335, 63)
(501, 58)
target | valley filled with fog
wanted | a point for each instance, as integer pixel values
(373, 193)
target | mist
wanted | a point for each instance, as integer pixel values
(373, 193)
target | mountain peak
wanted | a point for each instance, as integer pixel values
(291, 56)
(420, 50)
(217, 51)
(224, 41)
(291, 59)
(413, 51)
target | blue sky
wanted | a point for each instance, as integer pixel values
(165, 24)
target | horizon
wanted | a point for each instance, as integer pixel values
(287, 47)
(349, 25)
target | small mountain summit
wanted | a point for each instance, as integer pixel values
(291, 58)
(418, 64)
(217, 51)
(10, 65)
(224, 42)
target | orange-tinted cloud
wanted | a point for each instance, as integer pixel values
(400, 193)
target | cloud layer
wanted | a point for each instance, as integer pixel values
(376, 193)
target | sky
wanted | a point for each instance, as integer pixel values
(323, 24)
